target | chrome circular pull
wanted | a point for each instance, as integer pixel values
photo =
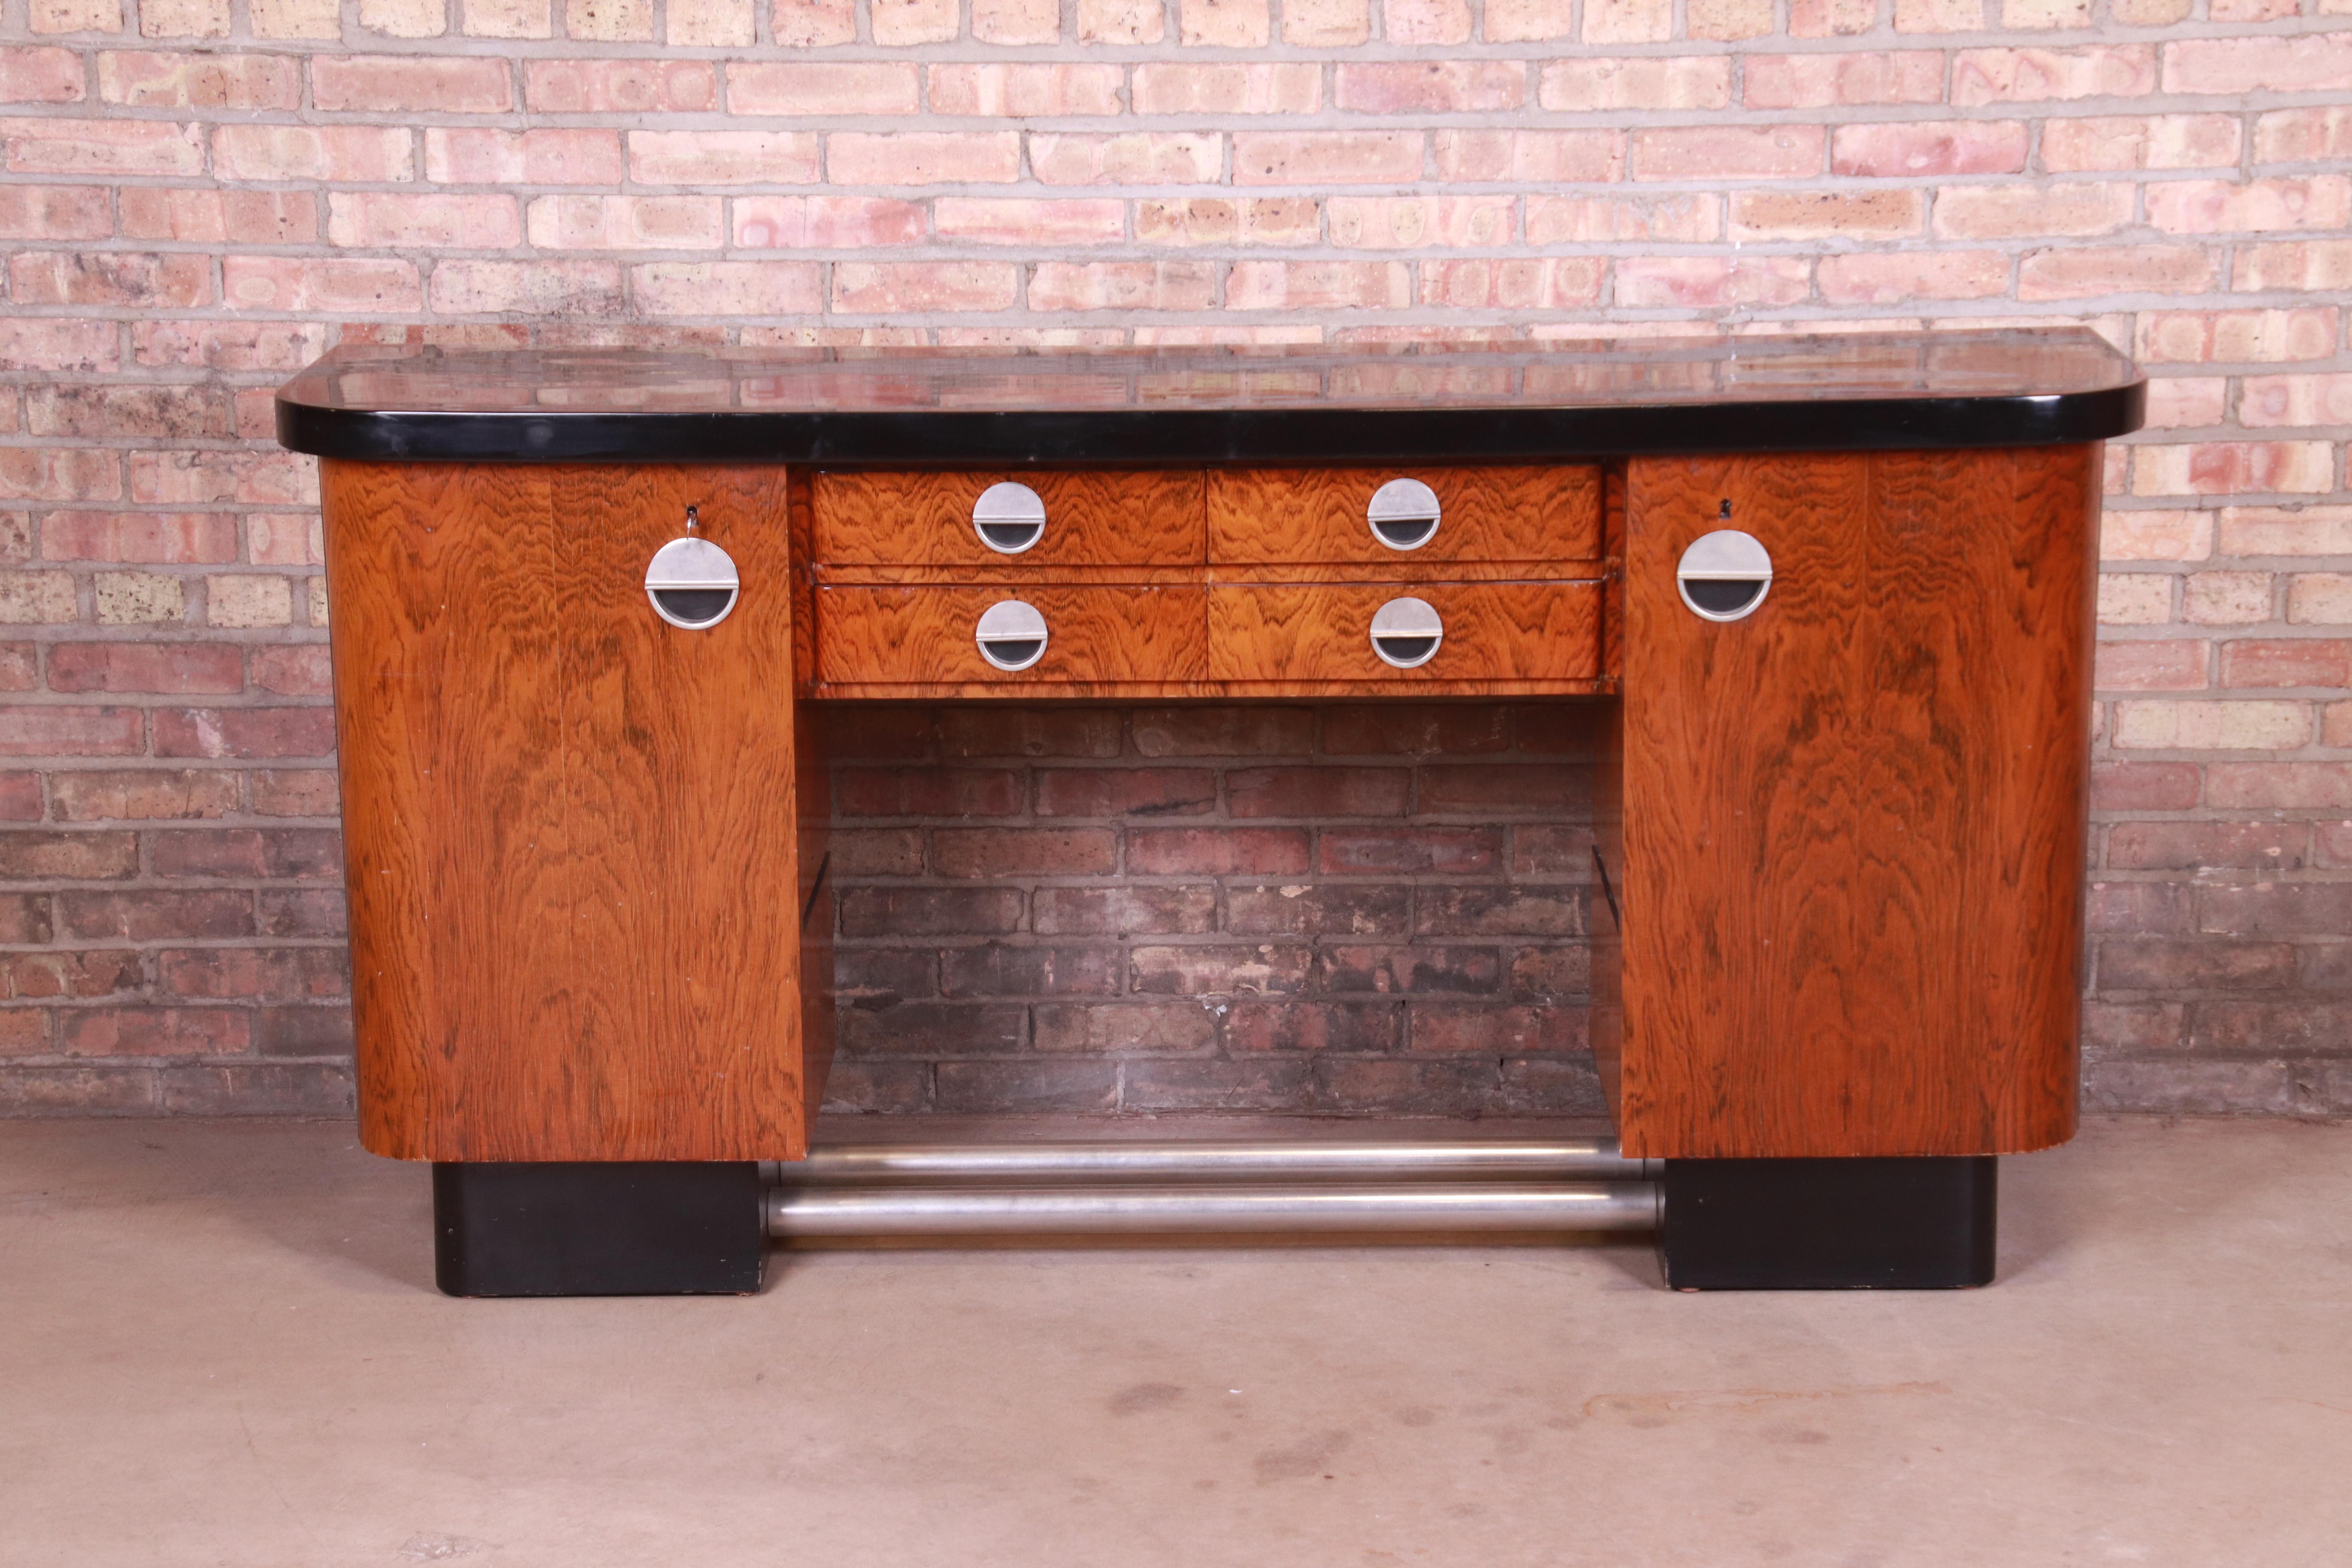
(1404, 514)
(692, 583)
(1011, 634)
(1009, 518)
(1406, 632)
(1725, 574)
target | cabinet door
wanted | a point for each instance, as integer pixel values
(578, 842)
(1854, 819)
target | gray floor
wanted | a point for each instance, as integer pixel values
(219, 1344)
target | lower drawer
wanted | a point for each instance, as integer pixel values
(930, 635)
(1484, 631)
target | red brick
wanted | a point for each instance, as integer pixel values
(1325, 157)
(1009, 851)
(620, 87)
(1729, 152)
(1342, 909)
(35, 731)
(54, 212)
(391, 84)
(898, 287)
(1035, 1088)
(88, 857)
(20, 798)
(245, 732)
(1497, 1031)
(1258, 970)
(830, 90)
(142, 794)
(102, 148)
(145, 667)
(49, 976)
(1448, 971)
(300, 912)
(114, 279)
(2145, 786)
(1123, 285)
(2313, 62)
(1026, 91)
(293, 670)
(156, 1031)
(2020, 76)
(1930, 147)
(2175, 967)
(39, 74)
(1358, 851)
(1553, 851)
(25, 917)
(996, 969)
(929, 911)
(1125, 910)
(927, 792)
(1125, 792)
(934, 1029)
(1216, 851)
(1824, 81)
(1705, 282)
(1319, 792)
(294, 791)
(312, 1031)
(2207, 845)
(277, 974)
(1151, 1028)
(1353, 1026)
(157, 915)
(2141, 907)
(2171, 665)
(1224, 731)
(1432, 87)
(159, 79)
(1518, 284)
(2283, 662)
(1501, 911)
(2276, 909)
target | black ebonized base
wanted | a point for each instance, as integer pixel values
(1828, 1224)
(598, 1229)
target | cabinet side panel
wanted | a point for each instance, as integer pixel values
(447, 678)
(1855, 818)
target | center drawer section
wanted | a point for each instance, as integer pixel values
(1404, 517)
(930, 635)
(1029, 517)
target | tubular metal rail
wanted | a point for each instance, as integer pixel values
(1138, 1188)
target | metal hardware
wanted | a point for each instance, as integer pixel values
(1012, 635)
(795, 1212)
(1359, 1161)
(1406, 633)
(1725, 574)
(691, 581)
(1404, 514)
(1009, 518)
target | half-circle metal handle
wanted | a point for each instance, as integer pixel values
(1404, 514)
(1012, 635)
(692, 583)
(1009, 518)
(1406, 633)
(1724, 576)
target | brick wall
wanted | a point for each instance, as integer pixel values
(196, 195)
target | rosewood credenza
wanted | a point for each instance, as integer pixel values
(1833, 595)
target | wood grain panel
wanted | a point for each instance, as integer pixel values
(1095, 636)
(573, 920)
(1494, 631)
(1855, 828)
(878, 517)
(1526, 514)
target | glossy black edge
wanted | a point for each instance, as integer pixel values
(599, 1228)
(1128, 437)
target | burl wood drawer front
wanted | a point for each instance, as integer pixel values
(1323, 631)
(1143, 517)
(928, 635)
(1550, 513)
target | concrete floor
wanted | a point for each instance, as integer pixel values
(219, 1344)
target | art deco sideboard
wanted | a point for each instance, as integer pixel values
(1833, 596)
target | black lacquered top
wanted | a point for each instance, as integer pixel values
(1426, 402)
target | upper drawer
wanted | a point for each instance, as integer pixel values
(1084, 635)
(1141, 517)
(1319, 515)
